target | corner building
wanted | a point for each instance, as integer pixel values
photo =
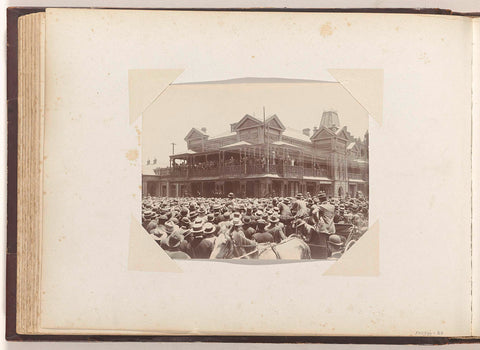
(257, 158)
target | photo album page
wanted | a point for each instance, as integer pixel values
(257, 173)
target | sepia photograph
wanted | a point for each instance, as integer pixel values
(255, 168)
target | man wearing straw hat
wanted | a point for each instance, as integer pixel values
(199, 247)
(175, 245)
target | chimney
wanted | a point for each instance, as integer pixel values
(315, 129)
(155, 161)
(306, 132)
(148, 162)
(204, 130)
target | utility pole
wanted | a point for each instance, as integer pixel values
(173, 152)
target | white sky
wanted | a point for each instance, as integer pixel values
(216, 105)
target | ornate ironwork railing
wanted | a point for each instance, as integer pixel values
(292, 171)
(238, 170)
(320, 172)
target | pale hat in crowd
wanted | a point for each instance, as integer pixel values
(209, 228)
(169, 227)
(175, 239)
(197, 227)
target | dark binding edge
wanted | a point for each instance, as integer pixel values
(13, 14)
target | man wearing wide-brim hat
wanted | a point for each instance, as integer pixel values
(199, 247)
(262, 236)
(169, 228)
(275, 229)
(175, 245)
(335, 246)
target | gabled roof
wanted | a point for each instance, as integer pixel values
(247, 122)
(322, 133)
(195, 133)
(274, 123)
(343, 134)
(352, 146)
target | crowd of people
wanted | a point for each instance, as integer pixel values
(187, 227)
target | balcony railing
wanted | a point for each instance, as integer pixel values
(321, 172)
(355, 176)
(290, 171)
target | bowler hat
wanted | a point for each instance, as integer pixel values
(335, 240)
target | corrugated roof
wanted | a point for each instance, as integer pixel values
(237, 144)
(281, 143)
(296, 134)
(223, 134)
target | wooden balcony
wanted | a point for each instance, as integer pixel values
(320, 172)
(356, 176)
(238, 171)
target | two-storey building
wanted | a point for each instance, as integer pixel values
(258, 158)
